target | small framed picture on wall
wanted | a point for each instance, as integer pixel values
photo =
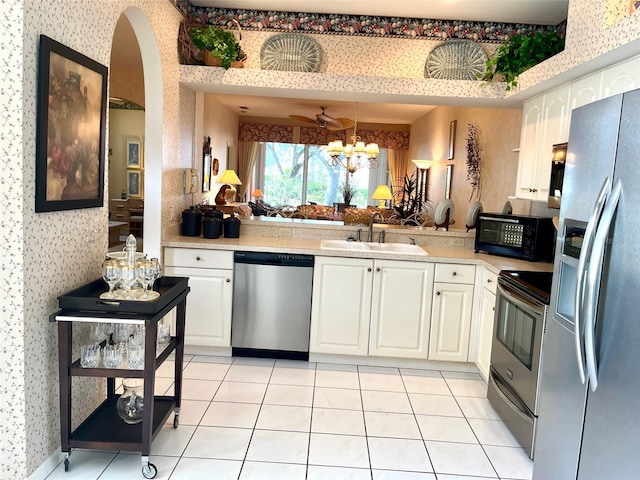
(134, 183)
(134, 154)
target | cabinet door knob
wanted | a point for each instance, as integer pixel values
(378, 269)
(198, 258)
(228, 280)
(454, 274)
(437, 293)
(369, 269)
(488, 280)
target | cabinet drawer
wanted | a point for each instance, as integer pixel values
(455, 273)
(118, 205)
(199, 258)
(489, 280)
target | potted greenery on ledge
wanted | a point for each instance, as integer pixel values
(220, 47)
(520, 53)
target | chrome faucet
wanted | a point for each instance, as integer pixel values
(373, 217)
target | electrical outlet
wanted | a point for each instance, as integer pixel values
(457, 242)
(171, 213)
(284, 232)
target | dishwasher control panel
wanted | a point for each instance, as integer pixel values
(283, 259)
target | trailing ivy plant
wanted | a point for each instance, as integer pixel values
(521, 52)
(220, 43)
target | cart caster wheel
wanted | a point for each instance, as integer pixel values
(149, 471)
(66, 464)
(175, 421)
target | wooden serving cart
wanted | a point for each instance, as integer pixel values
(103, 429)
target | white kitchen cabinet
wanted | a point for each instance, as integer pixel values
(586, 90)
(341, 305)
(210, 272)
(620, 78)
(401, 309)
(546, 119)
(529, 137)
(487, 312)
(451, 312)
(545, 122)
(371, 307)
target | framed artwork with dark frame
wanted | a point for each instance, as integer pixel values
(452, 138)
(134, 183)
(206, 173)
(206, 165)
(447, 182)
(134, 154)
(71, 126)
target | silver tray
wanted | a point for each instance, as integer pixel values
(290, 52)
(456, 60)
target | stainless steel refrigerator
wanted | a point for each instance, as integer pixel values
(589, 416)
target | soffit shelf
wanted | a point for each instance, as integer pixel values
(422, 91)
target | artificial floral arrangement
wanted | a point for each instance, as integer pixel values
(347, 193)
(406, 201)
(473, 160)
(521, 52)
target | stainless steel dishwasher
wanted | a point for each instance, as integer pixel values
(271, 305)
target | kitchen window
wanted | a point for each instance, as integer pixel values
(296, 174)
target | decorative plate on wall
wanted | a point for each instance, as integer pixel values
(456, 60)
(291, 52)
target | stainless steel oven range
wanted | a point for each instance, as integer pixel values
(521, 307)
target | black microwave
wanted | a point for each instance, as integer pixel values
(517, 236)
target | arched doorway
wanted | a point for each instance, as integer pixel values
(152, 139)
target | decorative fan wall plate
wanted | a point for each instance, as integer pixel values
(456, 60)
(291, 52)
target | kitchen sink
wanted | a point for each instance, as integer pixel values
(398, 248)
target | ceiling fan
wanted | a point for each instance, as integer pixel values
(325, 121)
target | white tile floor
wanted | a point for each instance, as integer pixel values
(258, 419)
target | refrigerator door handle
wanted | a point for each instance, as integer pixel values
(594, 274)
(585, 253)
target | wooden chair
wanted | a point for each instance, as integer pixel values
(136, 216)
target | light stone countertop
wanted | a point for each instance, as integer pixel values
(311, 246)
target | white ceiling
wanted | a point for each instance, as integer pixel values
(510, 11)
(539, 12)
(271, 107)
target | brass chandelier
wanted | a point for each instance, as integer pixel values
(353, 155)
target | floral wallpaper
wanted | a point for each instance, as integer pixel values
(48, 254)
(618, 9)
(362, 25)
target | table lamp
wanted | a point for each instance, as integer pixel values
(382, 194)
(257, 194)
(229, 178)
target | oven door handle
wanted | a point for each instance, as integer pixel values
(594, 274)
(513, 297)
(520, 410)
(581, 278)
